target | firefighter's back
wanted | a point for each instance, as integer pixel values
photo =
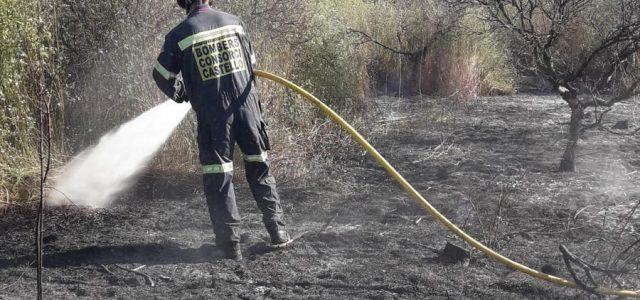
(215, 56)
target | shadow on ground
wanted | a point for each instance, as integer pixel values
(147, 254)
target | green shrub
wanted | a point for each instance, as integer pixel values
(28, 74)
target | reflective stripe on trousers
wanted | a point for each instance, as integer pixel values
(217, 169)
(262, 157)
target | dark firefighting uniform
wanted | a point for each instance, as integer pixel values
(213, 53)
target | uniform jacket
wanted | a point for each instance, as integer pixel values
(213, 54)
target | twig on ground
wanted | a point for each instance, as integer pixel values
(146, 277)
(568, 259)
(139, 268)
(626, 221)
(636, 243)
(587, 268)
(400, 119)
(19, 278)
(165, 278)
(408, 219)
(434, 153)
(579, 211)
(106, 270)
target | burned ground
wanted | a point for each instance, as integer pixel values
(490, 167)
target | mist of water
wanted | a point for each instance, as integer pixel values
(96, 176)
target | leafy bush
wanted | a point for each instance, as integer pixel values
(28, 74)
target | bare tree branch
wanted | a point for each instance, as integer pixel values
(368, 38)
(600, 73)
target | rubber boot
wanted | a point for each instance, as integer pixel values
(279, 238)
(232, 251)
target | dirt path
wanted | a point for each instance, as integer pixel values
(489, 168)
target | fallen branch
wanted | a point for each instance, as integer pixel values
(106, 270)
(568, 258)
(146, 277)
(140, 268)
(408, 219)
(619, 257)
(628, 219)
(579, 211)
(587, 268)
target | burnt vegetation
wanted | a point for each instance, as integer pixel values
(459, 94)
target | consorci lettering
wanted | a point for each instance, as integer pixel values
(219, 57)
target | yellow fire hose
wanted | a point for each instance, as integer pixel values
(425, 204)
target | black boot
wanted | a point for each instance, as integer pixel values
(279, 238)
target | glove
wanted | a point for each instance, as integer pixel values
(181, 93)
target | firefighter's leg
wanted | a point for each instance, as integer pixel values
(216, 155)
(263, 187)
(254, 143)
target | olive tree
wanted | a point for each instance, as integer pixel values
(585, 49)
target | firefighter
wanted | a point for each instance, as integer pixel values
(212, 53)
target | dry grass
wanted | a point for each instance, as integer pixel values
(313, 49)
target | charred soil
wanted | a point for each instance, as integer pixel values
(490, 167)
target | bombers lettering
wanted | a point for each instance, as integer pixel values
(219, 57)
(218, 46)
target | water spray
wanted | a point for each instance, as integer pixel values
(96, 176)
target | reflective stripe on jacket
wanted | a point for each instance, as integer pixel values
(212, 52)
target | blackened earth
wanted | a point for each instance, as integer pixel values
(489, 166)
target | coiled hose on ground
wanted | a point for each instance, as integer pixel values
(425, 204)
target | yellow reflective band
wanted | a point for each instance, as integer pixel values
(257, 158)
(164, 72)
(217, 169)
(210, 34)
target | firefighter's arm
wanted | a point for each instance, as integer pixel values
(248, 47)
(166, 70)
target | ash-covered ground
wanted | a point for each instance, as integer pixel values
(490, 167)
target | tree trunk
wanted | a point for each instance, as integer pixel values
(568, 163)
